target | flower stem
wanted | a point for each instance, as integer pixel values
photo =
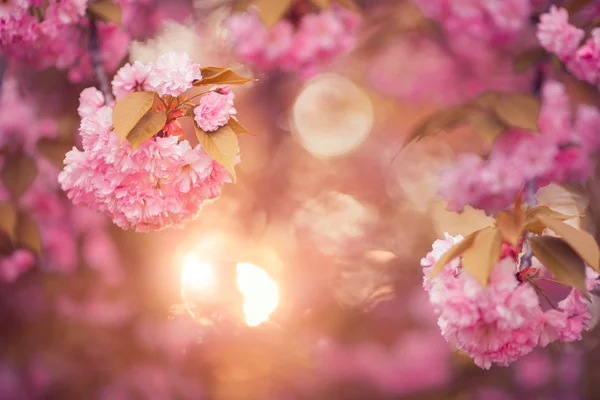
(531, 200)
(97, 64)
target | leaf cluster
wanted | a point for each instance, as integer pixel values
(140, 116)
(490, 115)
(565, 256)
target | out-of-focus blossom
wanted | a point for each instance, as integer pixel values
(556, 34)
(495, 21)
(58, 35)
(438, 74)
(417, 361)
(13, 266)
(561, 153)
(505, 321)
(317, 40)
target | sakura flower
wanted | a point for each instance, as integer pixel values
(129, 78)
(504, 321)
(90, 101)
(164, 181)
(556, 34)
(213, 111)
(173, 74)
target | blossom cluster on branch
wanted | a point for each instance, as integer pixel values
(136, 166)
(505, 321)
(563, 152)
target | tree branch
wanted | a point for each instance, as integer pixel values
(97, 64)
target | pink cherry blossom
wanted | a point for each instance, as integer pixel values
(173, 74)
(505, 321)
(557, 35)
(213, 111)
(90, 101)
(585, 62)
(129, 78)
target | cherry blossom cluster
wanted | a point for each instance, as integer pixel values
(490, 20)
(166, 180)
(317, 39)
(62, 227)
(562, 153)
(559, 37)
(57, 35)
(506, 320)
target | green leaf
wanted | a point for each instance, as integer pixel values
(8, 220)
(220, 76)
(238, 128)
(561, 260)
(130, 110)
(480, 258)
(221, 145)
(28, 235)
(455, 251)
(518, 111)
(105, 10)
(582, 242)
(18, 173)
(150, 124)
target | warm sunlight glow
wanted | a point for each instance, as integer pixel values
(197, 276)
(261, 294)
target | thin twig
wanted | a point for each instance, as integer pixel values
(2, 70)
(532, 202)
(97, 64)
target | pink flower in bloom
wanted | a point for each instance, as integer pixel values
(556, 34)
(173, 74)
(129, 78)
(13, 266)
(316, 41)
(214, 111)
(585, 63)
(90, 101)
(166, 180)
(505, 321)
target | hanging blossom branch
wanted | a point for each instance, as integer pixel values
(97, 64)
